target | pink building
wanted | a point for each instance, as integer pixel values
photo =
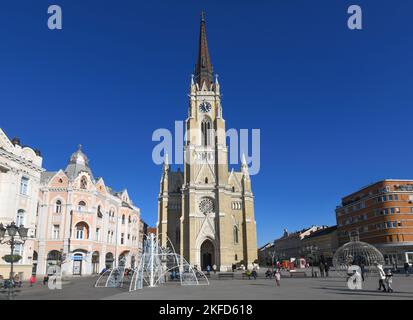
(82, 224)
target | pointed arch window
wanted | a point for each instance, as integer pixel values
(236, 235)
(206, 132)
(81, 206)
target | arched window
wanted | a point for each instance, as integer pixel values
(81, 206)
(58, 207)
(82, 231)
(206, 180)
(236, 235)
(123, 219)
(233, 189)
(20, 218)
(206, 132)
(129, 219)
(99, 212)
(236, 257)
(83, 183)
(24, 185)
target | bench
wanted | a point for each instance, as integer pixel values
(294, 273)
(225, 275)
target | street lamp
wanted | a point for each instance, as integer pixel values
(8, 236)
(311, 250)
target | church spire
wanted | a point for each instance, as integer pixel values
(203, 67)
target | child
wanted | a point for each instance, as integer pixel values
(32, 280)
(389, 281)
(277, 277)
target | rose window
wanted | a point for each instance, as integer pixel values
(206, 205)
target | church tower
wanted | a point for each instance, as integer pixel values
(206, 211)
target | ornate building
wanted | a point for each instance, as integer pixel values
(20, 170)
(206, 211)
(83, 225)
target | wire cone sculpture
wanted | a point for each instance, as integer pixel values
(157, 263)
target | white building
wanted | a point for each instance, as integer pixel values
(20, 171)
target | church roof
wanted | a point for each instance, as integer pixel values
(78, 162)
(203, 67)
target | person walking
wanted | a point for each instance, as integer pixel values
(327, 268)
(382, 277)
(214, 267)
(389, 281)
(32, 280)
(208, 269)
(277, 277)
(406, 269)
(254, 272)
(321, 266)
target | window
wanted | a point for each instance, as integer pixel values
(390, 198)
(18, 250)
(81, 206)
(236, 257)
(236, 235)
(97, 234)
(206, 129)
(82, 231)
(58, 207)
(123, 219)
(99, 212)
(24, 185)
(83, 183)
(396, 197)
(122, 240)
(20, 218)
(56, 231)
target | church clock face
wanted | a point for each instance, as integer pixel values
(205, 107)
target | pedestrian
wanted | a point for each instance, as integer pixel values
(208, 269)
(277, 277)
(327, 268)
(32, 280)
(382, 277)
(363, 270)
(1, 281)
(45, 279)
(214, 268)
(254, 272)
(389, 281)
(321, 266)
(268, 273)
(406, 268)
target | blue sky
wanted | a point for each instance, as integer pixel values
(334, 106)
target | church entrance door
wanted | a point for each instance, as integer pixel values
(207, 255)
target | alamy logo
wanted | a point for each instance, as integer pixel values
(237, 147)
(55, 20)
(55, 278)
(354, 22)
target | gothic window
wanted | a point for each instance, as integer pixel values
(99, 212)
(82, 231)
(236, 239)
(206, 130)
(58, 207)
(206, 205)
(83, 183)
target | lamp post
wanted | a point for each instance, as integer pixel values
(8, 235)
(312, 249)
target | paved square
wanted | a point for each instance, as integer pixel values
(331, 288)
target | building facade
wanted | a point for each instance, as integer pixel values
(326, 242)
(290, 244)
(206, 211)
(20, 172)
(380, 214)
(83, 225)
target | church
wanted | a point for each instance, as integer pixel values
(206, 211)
